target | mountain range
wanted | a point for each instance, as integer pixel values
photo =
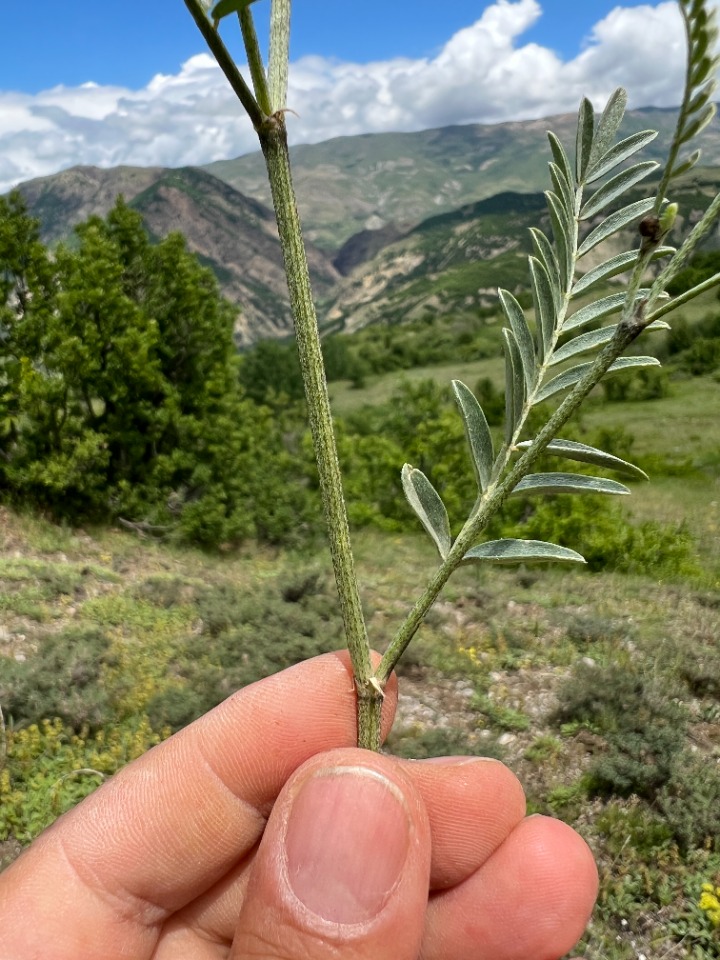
(398, 225)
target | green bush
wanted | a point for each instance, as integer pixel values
(699, 667)
(643, 726)
(679, 337)
(269, 373)
(121, 398)
(415, 744)
(701, 357)
(695, 349)
(635, 828)
(246, 636)
(607, 539)
(50, 769)
(690, 803)
(387, 347)
(61, 678)
(417, 425)
(492, 400)
(642, 383)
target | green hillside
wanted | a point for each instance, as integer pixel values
(348, 184)
(453, 263)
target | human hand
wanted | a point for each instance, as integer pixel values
(259, 831)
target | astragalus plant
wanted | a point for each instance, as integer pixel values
(577, 332)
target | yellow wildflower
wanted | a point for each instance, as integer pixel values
(710, 903)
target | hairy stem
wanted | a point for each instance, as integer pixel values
(682, 113)
(273, 140)
(684, 298)
(255, 61)
(279, 58)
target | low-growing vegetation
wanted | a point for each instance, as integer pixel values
(599, 689)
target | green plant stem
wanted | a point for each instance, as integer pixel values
(255, 61)
(226, 63)
(279, 58)
(272, 134)
(675, 144)
(273, 140)
(684, 298)
(624, 335)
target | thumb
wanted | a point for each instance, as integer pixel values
(343, 867)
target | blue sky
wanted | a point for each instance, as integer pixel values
(113, 82)
(125, 43)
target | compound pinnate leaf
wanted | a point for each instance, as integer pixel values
(477, 432)
(545, 483)
(568, 378)
(425, 501)
(582, 453)
(520, 551)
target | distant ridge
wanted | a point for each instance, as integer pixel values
(350, 184)
(400, 225)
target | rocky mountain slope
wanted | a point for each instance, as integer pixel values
(231, 233)
(454, 262)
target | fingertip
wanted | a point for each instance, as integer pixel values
(473, 804)
(551, 842)
(533, 898)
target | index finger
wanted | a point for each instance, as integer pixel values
(171, 824)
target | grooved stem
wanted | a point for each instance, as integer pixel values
(273, 140)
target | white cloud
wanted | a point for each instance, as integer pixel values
(484, 73)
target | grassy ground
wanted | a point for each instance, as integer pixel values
(485, 675)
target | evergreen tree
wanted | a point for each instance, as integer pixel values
(119, 390)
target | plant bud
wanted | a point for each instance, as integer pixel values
(649, 228)
(668, 217)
